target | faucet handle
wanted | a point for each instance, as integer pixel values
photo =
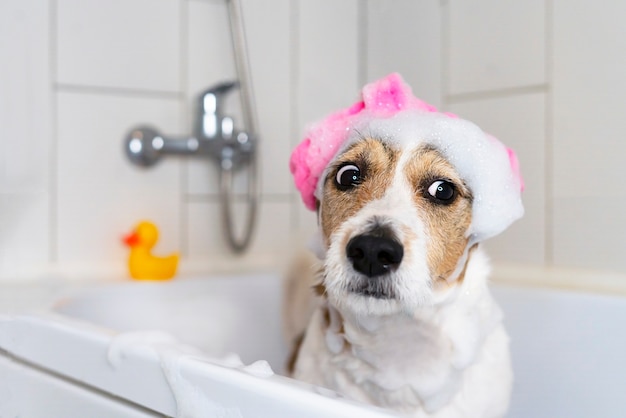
(210, 116)
(212, 98)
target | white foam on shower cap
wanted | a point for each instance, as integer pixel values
(482, 162)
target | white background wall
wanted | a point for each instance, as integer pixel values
(75, 75)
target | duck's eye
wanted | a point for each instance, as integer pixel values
(442, 191)
(348, 176)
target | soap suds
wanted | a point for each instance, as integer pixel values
(259, 368)
(190, 401)
(144, 340)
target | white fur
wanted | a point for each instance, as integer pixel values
(426, 353)
(449, 359)
(397, 211)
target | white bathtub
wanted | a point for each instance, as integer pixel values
(106, 351)
(568, 350)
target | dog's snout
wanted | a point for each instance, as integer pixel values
(374, 255)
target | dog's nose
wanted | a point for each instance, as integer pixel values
(373, 255)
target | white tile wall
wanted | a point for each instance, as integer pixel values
(24, 237)
(25, 136)
(272, 235)
(590, 232)
(133, 44)
(589, 91)
(405, 36)
(589, 125)
(91, 69)
(327, 58)
(24, 96)
(268, 31)
(495, 44)
(209, 53)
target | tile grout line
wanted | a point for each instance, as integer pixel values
(53, 192)
(215, 198)
(445, 51)
(362, 41)
(549, 137)
(294, 63)
(496, 93)
(183, 214)
(117, 91)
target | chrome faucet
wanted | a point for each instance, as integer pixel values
(214, 135)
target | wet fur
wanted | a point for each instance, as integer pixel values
(434, 346)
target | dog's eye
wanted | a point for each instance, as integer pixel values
(348, 176)
(442, 191)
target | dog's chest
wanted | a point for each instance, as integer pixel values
(398, 361)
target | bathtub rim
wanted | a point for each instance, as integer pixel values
(90, 343)
(592, 281)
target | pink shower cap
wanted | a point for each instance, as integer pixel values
(381, 99)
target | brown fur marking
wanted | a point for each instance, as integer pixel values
(444, 282)
(377, 162)
(446, 225)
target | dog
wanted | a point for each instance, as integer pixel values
(397, 313)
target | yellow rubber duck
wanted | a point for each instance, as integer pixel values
(141, 263)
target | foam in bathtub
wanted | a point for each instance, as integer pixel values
(190, 401)
(154, 371)
(260, 368)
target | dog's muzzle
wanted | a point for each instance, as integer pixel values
(374, 254)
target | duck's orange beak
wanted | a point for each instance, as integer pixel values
(131, 239)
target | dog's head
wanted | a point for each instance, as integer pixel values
(403, 193)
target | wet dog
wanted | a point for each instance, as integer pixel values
(403, 317)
